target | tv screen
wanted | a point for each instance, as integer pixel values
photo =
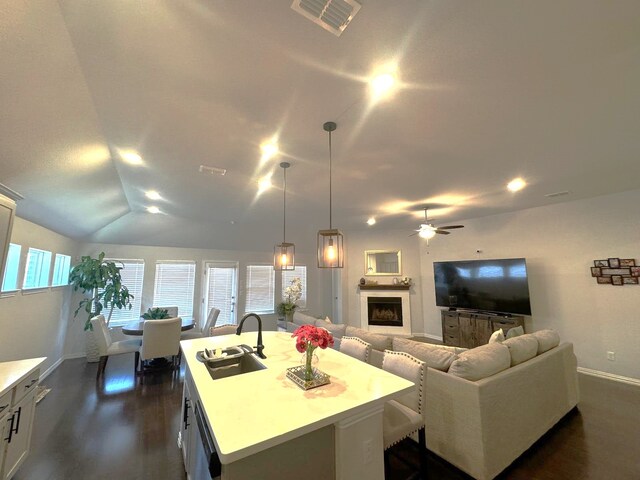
(489, 285)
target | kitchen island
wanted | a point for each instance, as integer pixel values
(262, 425)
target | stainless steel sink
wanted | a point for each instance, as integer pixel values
(233, 364)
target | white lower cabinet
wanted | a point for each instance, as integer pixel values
(18, 437)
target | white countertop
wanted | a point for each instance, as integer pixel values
(12, 372)
(254, 411)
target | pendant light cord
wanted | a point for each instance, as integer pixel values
(330, 162)
(284, 203)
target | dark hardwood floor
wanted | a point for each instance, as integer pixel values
(116, 429)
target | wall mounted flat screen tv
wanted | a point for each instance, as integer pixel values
(499, 286)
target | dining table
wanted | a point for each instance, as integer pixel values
(136, 328)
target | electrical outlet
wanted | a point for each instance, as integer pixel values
(611, 356)
(367, 454)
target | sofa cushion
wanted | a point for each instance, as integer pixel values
(336, 329)
(521, 348)
(515, 332)
(547, 339)
(378, 342)
(432, 355)
(481, 362)
(300, 318)
(497, 336)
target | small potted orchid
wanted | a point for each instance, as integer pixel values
(290, 296)
(308, 338)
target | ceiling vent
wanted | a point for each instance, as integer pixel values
(332, 15)
(213, 170)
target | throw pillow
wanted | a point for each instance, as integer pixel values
(336, 329)
(481, 362)
(547, 339)
(378, 342)
(497, 336)
(433, 355)
(521, 348)
(515, 332)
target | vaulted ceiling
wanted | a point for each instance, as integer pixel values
(489, 90)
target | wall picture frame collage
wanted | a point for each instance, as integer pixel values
(616, 271)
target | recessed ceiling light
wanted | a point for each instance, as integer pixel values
(264, 183)
(153, 209)
(269, 149)
(152, 195)
(516, 184)
(371, 221)
(132, 158)
(382, 85)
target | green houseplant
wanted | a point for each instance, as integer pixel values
(100, 281)
(156, 314)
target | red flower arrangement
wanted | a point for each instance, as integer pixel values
(308, 338)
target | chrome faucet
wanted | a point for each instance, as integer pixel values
(260, 346)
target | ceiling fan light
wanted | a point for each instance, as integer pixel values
(427, 233)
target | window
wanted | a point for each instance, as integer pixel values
(38, 267)
(10, 280)
(61, 266)
(132, 275)
(260, 289)
(174, 286)
(299, 272)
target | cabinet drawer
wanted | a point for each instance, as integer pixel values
(28, 384)
(450, 322)
(451, 340)
(5, 402)
(450, 329)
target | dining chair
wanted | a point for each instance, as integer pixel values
(212, 318)
(404, 416)
(106, 346)
(160, 338)
(356, 347)
(223, 330)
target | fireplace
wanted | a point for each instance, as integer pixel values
(384, 311)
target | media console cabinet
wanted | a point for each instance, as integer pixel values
(471, 329)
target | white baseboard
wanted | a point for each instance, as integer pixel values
(49, 370)
(75, 355)
(426, 335)
(610, 376)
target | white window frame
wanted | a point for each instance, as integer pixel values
(61, 270)
(123, 316)
(43, 269)
(185, 310)
(11, 258)
(268, 306)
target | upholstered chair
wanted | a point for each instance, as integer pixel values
(223, 330)
(212, 318)
(356, 347)
(160, 338)
(106, 346)
(404, 416)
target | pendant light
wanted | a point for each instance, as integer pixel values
(284, 253)
(330, 242)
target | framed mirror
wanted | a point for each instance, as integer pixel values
(382, 262)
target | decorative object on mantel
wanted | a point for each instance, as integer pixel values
(290, 297)
(616, 271)
(331, 241)
(308, 338)
(363, 281)
(400, 286)
(406, 281)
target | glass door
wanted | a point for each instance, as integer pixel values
(221, 290)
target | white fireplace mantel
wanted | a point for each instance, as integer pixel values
(404, 330)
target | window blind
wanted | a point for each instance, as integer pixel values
(38, 268)
(299, 272)
(174, 286)
(10, 280)
(221, 294)
(61, 266)
(132, 275)
(260, 289)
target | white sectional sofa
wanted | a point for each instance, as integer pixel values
(485, 406)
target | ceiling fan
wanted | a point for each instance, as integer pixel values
(427, 230)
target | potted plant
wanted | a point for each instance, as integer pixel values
(155, 314)
(101, 282)
(290, 296)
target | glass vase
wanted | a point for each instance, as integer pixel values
(310, 360)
